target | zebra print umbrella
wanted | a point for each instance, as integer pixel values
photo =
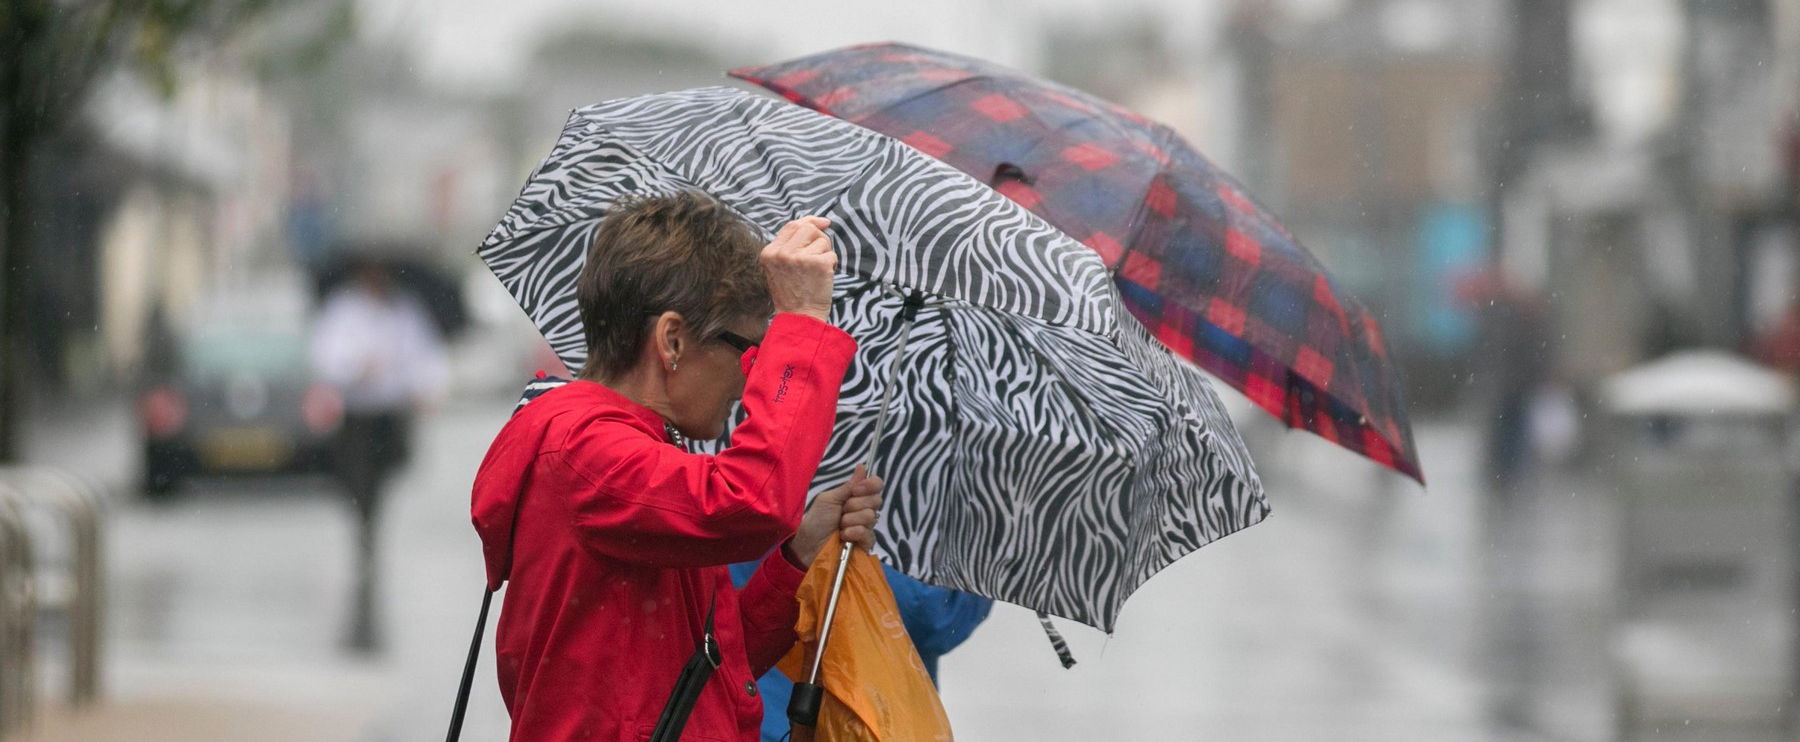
(1042, 448)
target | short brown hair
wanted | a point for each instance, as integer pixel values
(684, 252)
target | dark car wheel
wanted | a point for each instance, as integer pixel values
(165, 468)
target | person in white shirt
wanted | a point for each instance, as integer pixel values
(376, 344)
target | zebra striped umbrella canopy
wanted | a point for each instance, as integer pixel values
(1041, 447)
(1213, 274)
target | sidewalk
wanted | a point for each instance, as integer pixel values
(189, 719)
(1364, 609)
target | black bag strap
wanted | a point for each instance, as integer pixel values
(536, 388)
(686, 693)
(682, 697)
(468, 674)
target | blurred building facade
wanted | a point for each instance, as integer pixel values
(1378, 116)
(1632, 164)
(149, 201)
(157, 206)
(1361, 127)
(1625, 167)
(1663, 221)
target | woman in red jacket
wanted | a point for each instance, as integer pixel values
(614, 538)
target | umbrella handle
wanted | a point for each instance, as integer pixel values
(803, 705)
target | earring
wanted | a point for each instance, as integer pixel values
(673, 365)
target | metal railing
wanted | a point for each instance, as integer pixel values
(71, 506)
(18, 611)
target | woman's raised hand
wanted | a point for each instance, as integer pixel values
(851, 509)
(798, 265)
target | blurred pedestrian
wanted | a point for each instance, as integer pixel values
(376, 344)
(614, 539)
(1513, 356)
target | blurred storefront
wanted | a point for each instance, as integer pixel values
(1661, 221)
(147, 202)
(154, 205)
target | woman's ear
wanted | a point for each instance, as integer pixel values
(669, 330)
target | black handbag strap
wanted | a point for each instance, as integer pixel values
(686, 693)
(468, 674)
(536, 388)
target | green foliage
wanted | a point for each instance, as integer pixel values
(61, 47)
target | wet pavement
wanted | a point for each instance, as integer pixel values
(1364, 609)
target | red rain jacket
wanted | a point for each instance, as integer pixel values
(615, 541)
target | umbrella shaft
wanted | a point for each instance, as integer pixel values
(909, 314)
(837, 586)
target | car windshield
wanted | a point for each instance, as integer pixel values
(261, 352)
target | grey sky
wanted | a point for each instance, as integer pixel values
(1628, 47)
(480, 43)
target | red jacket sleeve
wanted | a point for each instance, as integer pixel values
(769, 610)
(642, 500)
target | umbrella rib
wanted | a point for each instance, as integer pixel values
(918, 94)
(1165, 138)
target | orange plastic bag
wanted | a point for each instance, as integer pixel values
(876, 688)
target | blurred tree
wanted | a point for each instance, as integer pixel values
(55, 53)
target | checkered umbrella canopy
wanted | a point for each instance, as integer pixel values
(1213, 275)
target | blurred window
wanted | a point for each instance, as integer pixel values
(270, 354)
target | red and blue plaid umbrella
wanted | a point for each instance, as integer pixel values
(1213, 275)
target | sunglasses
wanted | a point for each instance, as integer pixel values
(743, 344)
(746, 348)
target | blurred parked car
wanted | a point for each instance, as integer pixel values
(239, 400)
